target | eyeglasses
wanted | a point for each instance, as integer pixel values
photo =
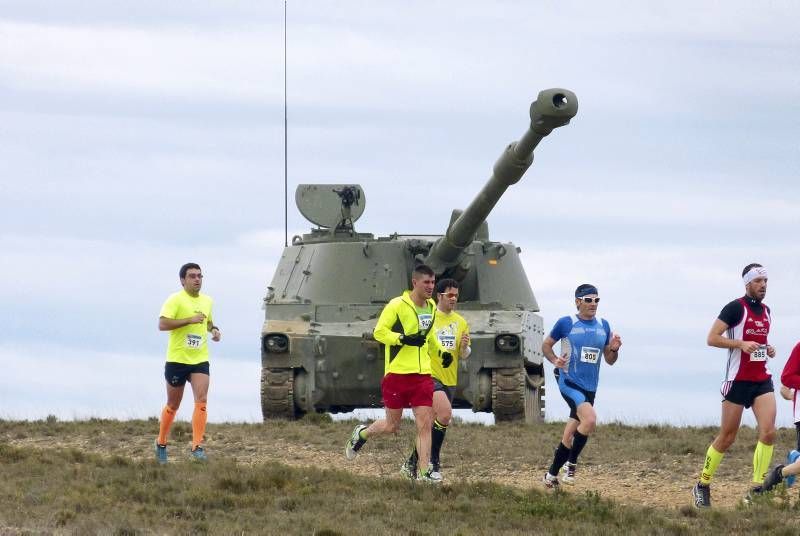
(450, 295)
(590, 300)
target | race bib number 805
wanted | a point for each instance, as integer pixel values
(589, 354)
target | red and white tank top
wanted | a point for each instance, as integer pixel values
(753, 327)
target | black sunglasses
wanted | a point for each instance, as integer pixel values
(590, 300)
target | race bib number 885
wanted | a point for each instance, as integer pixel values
(589, 354)
(760, 354)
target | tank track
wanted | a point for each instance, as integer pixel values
(277, 394)
(508, 394)
(534, 398)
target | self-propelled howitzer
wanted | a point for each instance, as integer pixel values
(552, 109)
(317, 349)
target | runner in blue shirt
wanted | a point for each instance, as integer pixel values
(584, 338)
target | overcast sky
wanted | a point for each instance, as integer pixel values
(136, 136)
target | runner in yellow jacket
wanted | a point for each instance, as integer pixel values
(403, 331)
(401, 325)
(448, 341)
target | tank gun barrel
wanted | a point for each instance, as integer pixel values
(553, 108)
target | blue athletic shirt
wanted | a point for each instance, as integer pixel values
(586, 338)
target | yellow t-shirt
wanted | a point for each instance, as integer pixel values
(445, 336)
(188, 344)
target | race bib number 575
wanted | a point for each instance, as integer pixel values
(447, 341)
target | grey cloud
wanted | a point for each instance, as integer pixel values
(143, 135)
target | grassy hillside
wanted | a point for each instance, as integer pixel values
(100, 476)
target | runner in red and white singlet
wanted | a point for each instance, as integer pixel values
(752, 326)
(748, 383)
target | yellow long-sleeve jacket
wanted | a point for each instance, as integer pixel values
(400, 317)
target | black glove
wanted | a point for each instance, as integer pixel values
(447, 359)
(415, 339)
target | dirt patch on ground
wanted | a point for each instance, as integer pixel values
(663, 483)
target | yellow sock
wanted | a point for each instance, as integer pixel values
(167, 416)
(713, 457)
(199, 418)
(761, 458)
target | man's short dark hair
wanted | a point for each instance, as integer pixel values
(444, 284)
(750, 267)
(585, 289)
(422, 269)
(186, 267)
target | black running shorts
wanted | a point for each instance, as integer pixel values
(177, 374)
(449, 390)
(744, 392)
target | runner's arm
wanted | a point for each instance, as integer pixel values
(611, 351)
(216, 333)
(464, 349)
(168, 324)
(790, 377)
(610, 355)
(716, 339)
(547, 350)
(383, 329)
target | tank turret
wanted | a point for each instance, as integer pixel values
(552, 109)
(330, 285)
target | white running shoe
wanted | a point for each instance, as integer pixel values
(550, 481)
(568, 470)
(429, 477)
(435, 471)
(355, 442)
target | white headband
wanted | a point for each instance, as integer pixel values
(754, 273)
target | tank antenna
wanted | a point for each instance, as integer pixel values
(285, 142)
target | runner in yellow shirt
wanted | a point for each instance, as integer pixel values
(187, 316)
(448, 340)
(402, 329)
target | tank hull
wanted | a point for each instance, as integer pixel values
(331, 363)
